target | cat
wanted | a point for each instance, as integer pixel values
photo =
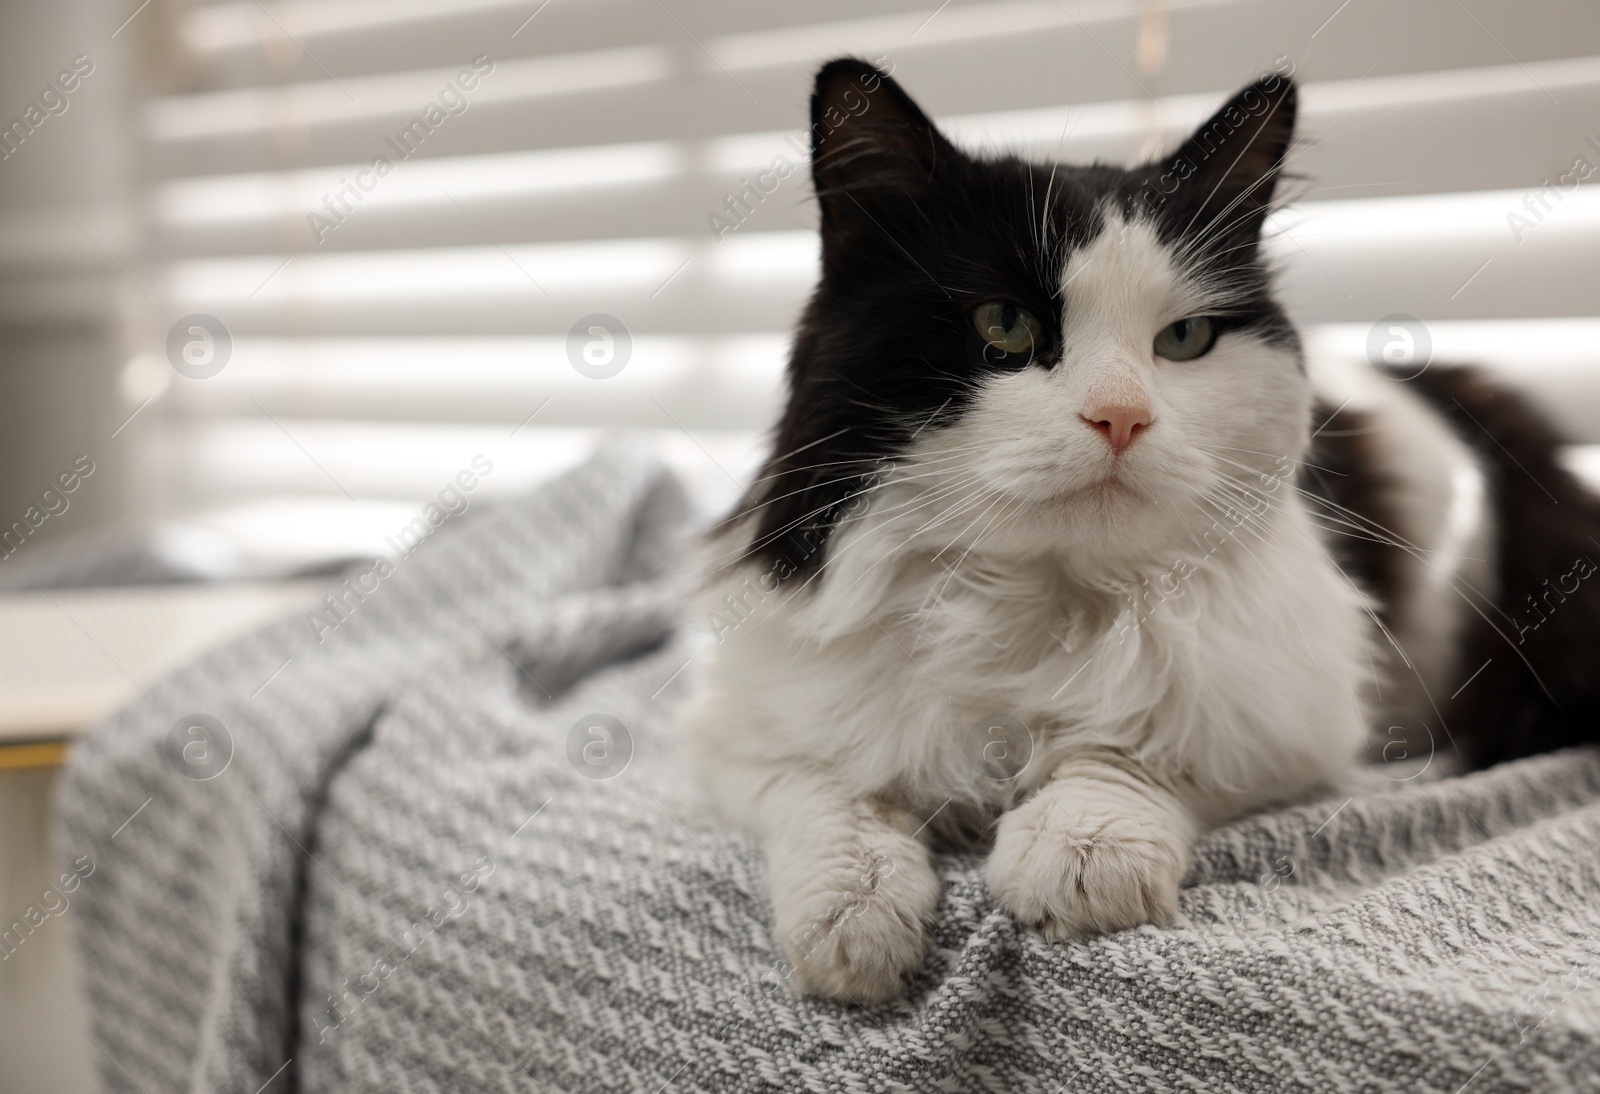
(1060, 551)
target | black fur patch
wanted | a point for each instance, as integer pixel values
(916, 234)
(1355, 511)
(1539, 684)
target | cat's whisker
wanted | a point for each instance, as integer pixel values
(1267, 572)
(1473, 597)
(927, 610)
(911, 505)
(867, 488)
(859, 543)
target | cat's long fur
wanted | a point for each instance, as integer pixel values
(968, 600)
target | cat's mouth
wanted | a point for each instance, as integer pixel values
(1111, 488)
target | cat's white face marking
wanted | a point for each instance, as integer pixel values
(1031, 436)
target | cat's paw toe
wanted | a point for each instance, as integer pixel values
(858, 930)
(1071, 870)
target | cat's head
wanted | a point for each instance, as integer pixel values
(1025, 356)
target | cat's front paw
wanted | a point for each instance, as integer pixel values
(854, 920)
(1080, 858)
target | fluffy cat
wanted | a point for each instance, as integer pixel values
(1044, 559)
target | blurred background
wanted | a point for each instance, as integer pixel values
(272, 273)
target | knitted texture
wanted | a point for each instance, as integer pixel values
(455, 849)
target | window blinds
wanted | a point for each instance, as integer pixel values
(407, 214)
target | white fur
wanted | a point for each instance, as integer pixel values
(1439, 495)
(1179, 645)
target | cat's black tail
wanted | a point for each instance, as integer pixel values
(1537, 665)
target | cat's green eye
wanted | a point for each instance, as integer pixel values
(1186, 339)
(1006, 327)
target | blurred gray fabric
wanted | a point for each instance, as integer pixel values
(409, 878)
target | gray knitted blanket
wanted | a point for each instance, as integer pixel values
(448, 845)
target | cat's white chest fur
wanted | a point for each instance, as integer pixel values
(1236, 670)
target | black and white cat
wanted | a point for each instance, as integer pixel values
(1046, 553)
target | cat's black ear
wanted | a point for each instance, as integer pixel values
(1220, 181)
(871, 149)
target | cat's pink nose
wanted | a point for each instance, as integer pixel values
(1119, 424)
